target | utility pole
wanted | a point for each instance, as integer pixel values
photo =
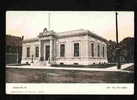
(118, 48)
(17, 51)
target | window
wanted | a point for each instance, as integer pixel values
(28, 51)
(75, 63)
(98, 51)
(76, 49)
(61, 63)
(103, 51)
(37, 51)
(62, 50)
(92, 50)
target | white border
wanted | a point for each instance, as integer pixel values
(73, 88)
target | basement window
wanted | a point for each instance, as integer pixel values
(61, 63)
(75, 63)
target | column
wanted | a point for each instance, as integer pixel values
(54, 49)
(105, 51)
(95, 50)
(51, 51)
(40, 51)
(101, 50)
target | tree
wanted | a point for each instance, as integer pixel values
(126, 50)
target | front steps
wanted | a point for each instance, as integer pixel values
(41, 63)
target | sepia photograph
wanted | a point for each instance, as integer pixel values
(70, 47)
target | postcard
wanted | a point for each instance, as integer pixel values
(70, 52)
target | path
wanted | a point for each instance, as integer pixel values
(122, 66)
(114, 68)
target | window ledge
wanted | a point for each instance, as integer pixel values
(97, 57)
(76, 57)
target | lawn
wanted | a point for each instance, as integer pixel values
(17, 64)
(24, 75)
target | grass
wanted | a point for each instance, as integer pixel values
(17, 64)
(16, 75)
(87, 66)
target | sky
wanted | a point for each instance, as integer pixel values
(30, 23)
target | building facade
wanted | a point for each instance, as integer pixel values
(72, 47)
(13, 49)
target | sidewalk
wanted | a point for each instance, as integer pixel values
(114, 68)
(122, 66)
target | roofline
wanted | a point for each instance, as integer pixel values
(71, 35)
(97, 36)
(85, 32)
(30, 40)
(13, 36)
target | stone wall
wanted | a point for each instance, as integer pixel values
(85, 51)
(32, 46)
(96, 59)
(69, 50)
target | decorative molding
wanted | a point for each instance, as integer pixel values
(72, 35)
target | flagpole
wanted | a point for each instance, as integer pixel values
(48, 21)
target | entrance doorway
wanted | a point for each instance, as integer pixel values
(47, 52)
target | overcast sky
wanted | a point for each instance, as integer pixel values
(31, 23)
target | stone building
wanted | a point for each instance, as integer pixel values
(71, 47)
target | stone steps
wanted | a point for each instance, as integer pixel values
(40, 63)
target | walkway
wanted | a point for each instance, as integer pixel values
(122, 66)
(114, 68)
